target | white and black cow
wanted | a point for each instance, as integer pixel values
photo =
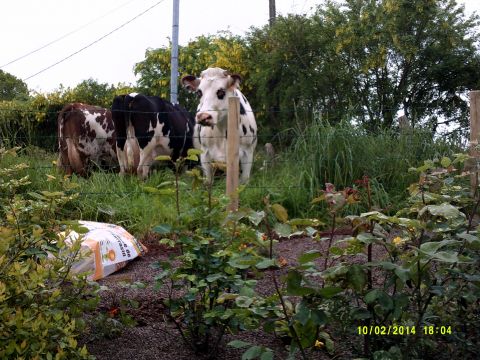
(213, 88)
(86, 134)
(159, 128)
(128, 152)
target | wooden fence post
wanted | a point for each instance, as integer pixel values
(233, 143)
(474, 133)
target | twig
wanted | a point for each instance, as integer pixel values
(284, 309)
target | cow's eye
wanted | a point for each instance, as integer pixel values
(221, 94)
(199, 93)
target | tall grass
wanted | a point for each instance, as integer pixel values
(104, 196)
(344, 153)
(319, 153)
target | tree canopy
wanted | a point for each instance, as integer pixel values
(12, 88)
(366, 61)
(362, 61)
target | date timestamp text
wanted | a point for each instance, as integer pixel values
(404, 330)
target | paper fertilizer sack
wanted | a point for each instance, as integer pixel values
(105, 248)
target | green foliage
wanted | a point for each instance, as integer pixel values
(343, 153)
(366, 60)
(12, 88)
(41, 302)
(429, 270)
(414, 56)
(33, 120)
(222, 50)
(208, 292)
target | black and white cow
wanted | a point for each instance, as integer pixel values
(128, 152)
(158, 126)
(213, 88)
(86, 135)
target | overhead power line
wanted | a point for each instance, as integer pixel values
(64, 36)
(94, 42)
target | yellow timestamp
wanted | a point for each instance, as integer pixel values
(437, 330)
(403, 330)
(386, 330)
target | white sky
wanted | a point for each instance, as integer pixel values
(26, 25)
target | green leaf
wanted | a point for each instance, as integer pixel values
(256, 217)
(431, 248)
(446, 256)
(192, 158)
(444, 210)
(294, 284)
(280, 213)
(238, 344)
(303, 314)
(242, 263)
(360, 314)
(266, 263)
(214, 277)
(472, 240)
(446, 162)
(329, 291)
(309, 256)
(243, 301)
(385, 301)
(283, 230)
(163, 158)
(252, 353)
(37, 196)
(366, 238)
(163, 229)
(267, 355)
(193, 151)
(356, 277)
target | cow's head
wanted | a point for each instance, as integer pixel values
(213, 88)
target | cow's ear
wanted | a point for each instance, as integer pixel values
(234, 80)
(190, 82)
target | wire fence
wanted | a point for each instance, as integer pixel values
(330, 167)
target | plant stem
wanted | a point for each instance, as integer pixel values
(330, 240)
(285, 313)
(177, 193)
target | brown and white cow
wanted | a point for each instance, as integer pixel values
(86, 135)
(156, 126)
(213, 88)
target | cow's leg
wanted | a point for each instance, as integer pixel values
(63, 164)
(144, 164)
(122, 160)
(132, 155)
(77, 162)
(246, 162)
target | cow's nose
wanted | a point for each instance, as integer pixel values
(204, 119)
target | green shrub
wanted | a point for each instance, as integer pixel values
(41, 302)
(418, 298)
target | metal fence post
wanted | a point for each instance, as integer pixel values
(233, 143)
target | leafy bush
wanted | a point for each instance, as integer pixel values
(426, 282)
(208, 290)
(41, 302)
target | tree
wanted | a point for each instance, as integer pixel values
(415, 56)
(12, 88)
(222, 50)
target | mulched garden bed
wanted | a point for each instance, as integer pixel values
(153, 337)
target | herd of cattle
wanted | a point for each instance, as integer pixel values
(138, 128)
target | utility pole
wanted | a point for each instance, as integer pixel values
(174, 55)
(272, 12)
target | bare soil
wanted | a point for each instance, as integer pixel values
(153, 337)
